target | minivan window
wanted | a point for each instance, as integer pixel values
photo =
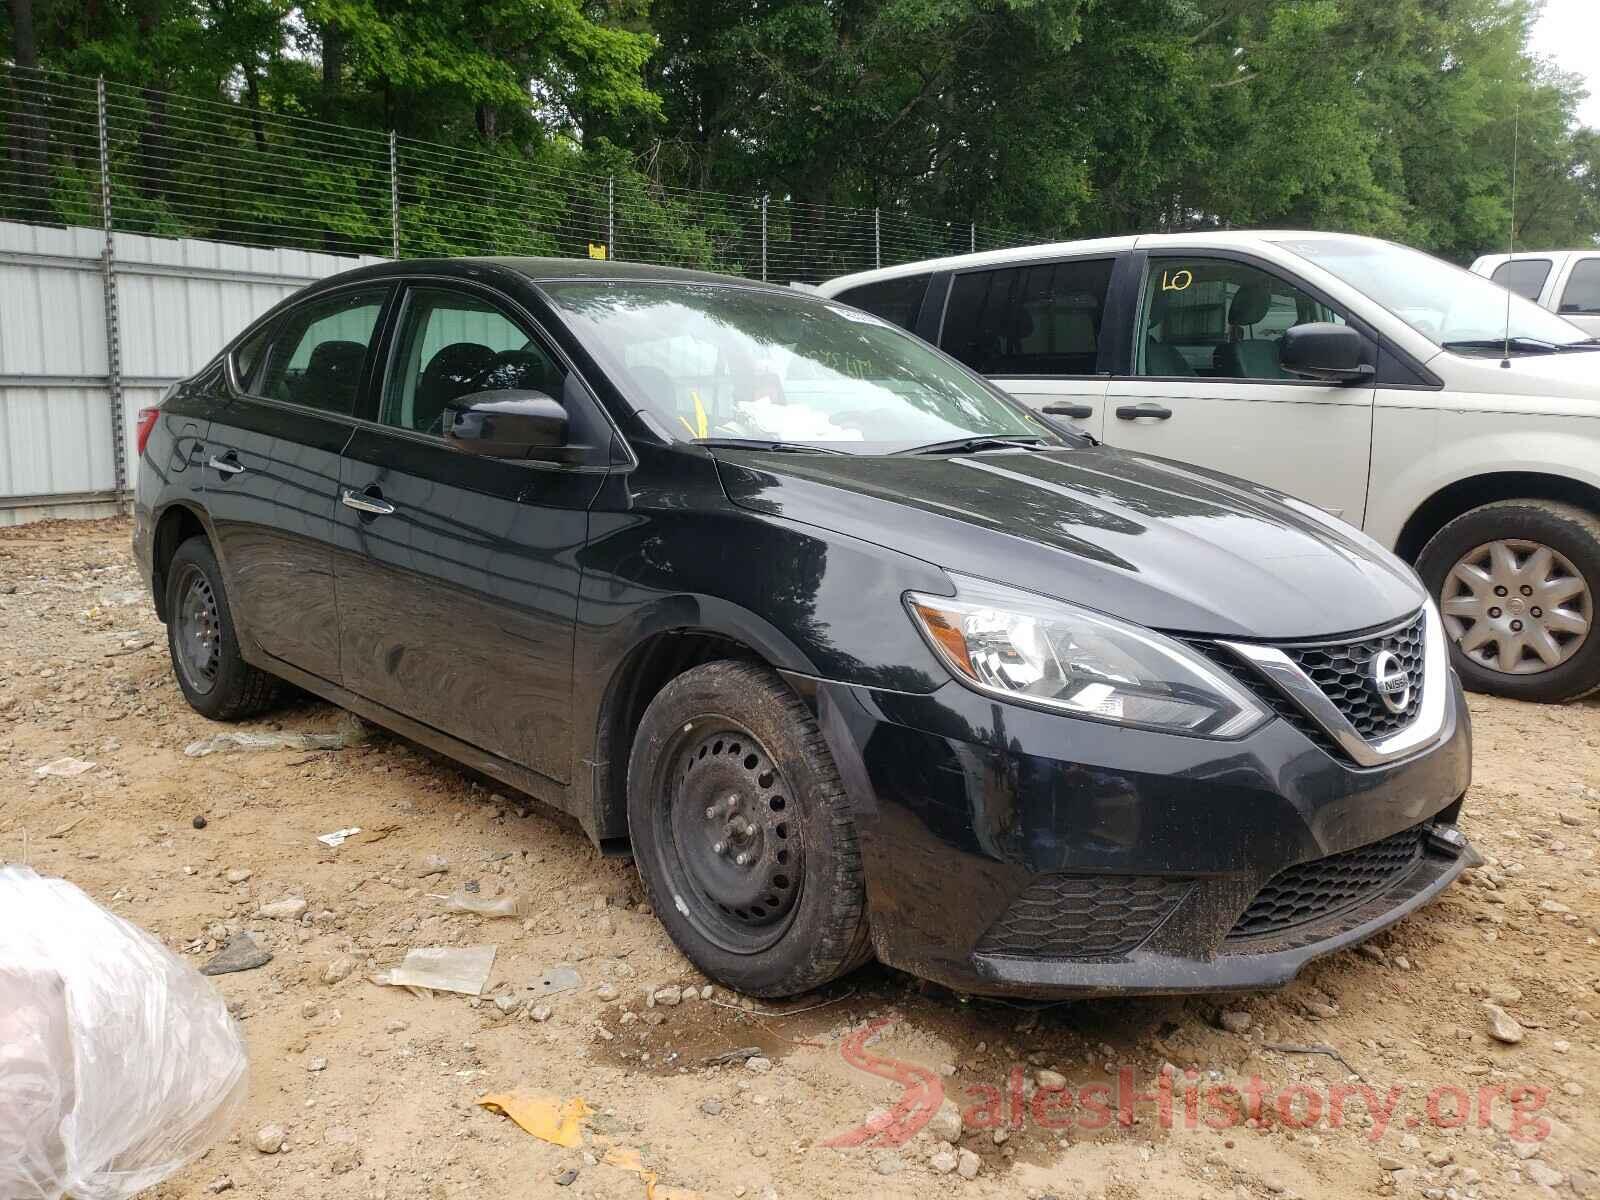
(315, 353)
(1524, 276)
(1218, 318)
(710, 361)
(1042, 319)
(1450, 307)
(897, 300)
(1582, 294)
(453, 344)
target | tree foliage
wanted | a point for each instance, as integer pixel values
(1065, 118)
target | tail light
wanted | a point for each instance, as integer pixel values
(145, 422)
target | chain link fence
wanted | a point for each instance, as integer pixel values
(80, 151)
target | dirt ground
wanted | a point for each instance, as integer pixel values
(376, 1086)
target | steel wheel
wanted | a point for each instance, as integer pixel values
(1517, 606)
(730, 836)
(199, 636)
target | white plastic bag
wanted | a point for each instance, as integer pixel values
(119, 1063)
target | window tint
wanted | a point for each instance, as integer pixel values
(1218, 319)
(897, 300)
(453, 344)
(1029, 320)
(1582, 294)
(315, 353)
(1524, 276)
(247, 358)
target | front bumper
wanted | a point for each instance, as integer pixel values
(1009, 851)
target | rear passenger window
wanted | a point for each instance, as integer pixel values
(1029, 320)
(315, 353)
(897, 300)
(1524, 276)
(1582, 294)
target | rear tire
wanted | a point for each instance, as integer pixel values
(742, 833)
(1518, 583)
(214, 678)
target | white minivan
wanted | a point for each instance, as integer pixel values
(1455, 422)
(1563, 281)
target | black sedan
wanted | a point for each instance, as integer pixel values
(852, 653)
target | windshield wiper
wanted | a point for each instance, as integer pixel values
(1524, 345)
(970, 445)
(734, 443)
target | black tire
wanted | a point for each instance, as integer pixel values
(225, 687)
(731, 736)
(1572, 533)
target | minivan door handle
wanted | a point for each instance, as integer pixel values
(1079, 411)
(363, 502)
(1132, 412)
(228, 464)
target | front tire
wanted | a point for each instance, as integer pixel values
(1517, 583)
(742, 834)
(214, 677)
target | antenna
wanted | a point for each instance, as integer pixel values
(1511, 236)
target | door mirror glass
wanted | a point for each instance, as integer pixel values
(1324, 351)
(506, 424)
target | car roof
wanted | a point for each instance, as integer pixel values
(549, 270)
(1112, 245)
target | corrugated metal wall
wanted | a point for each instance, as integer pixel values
(178, 301)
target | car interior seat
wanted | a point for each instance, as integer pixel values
(332, 376)
(452, 372)
(1160, 357)
(1245, 357)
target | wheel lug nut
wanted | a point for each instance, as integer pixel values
(718, 847)
(741, 859)
(1537, 611)
(1526, 590)
(711, 812)
(1516, 627)
(1499, 591)
(1494, 614)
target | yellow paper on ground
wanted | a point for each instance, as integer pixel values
(548, 1118)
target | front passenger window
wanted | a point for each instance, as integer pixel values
(316, 353)
(453, 344)
(1214, 318)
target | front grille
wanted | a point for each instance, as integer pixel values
(1344, 673)
(1083, 916)
(1325, 887)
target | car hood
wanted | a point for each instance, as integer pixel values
(1161, 543)
(1573, 376)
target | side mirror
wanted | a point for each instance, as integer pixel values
(506, 424)
(1325, 351)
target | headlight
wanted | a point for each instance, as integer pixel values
(1061, 657)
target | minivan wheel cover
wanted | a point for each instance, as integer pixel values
(728, 831)
(1517, 606)
(199, 631)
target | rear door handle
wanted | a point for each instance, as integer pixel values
(226, 465)
(1080, 411)
(1132, 412)
(362, 502)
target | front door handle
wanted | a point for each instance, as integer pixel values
(364, 503)
(1132, 412)
(226, 465)
(1080, 411)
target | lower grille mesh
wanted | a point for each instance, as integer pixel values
(1324, 887)
(1083, 916)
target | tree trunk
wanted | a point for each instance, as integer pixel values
(332, 65)
(28, 140)
(154, 162)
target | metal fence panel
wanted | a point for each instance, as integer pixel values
(178, 300)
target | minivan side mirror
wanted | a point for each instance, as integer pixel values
(1324, 351)
(506, 424)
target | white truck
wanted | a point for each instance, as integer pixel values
(1454, 422)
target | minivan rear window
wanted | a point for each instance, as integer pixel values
(1042, 319)
(1583, 288)
(1524, 276)
(896, 300)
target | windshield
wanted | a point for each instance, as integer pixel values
(719, 362)
(1445, 304)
